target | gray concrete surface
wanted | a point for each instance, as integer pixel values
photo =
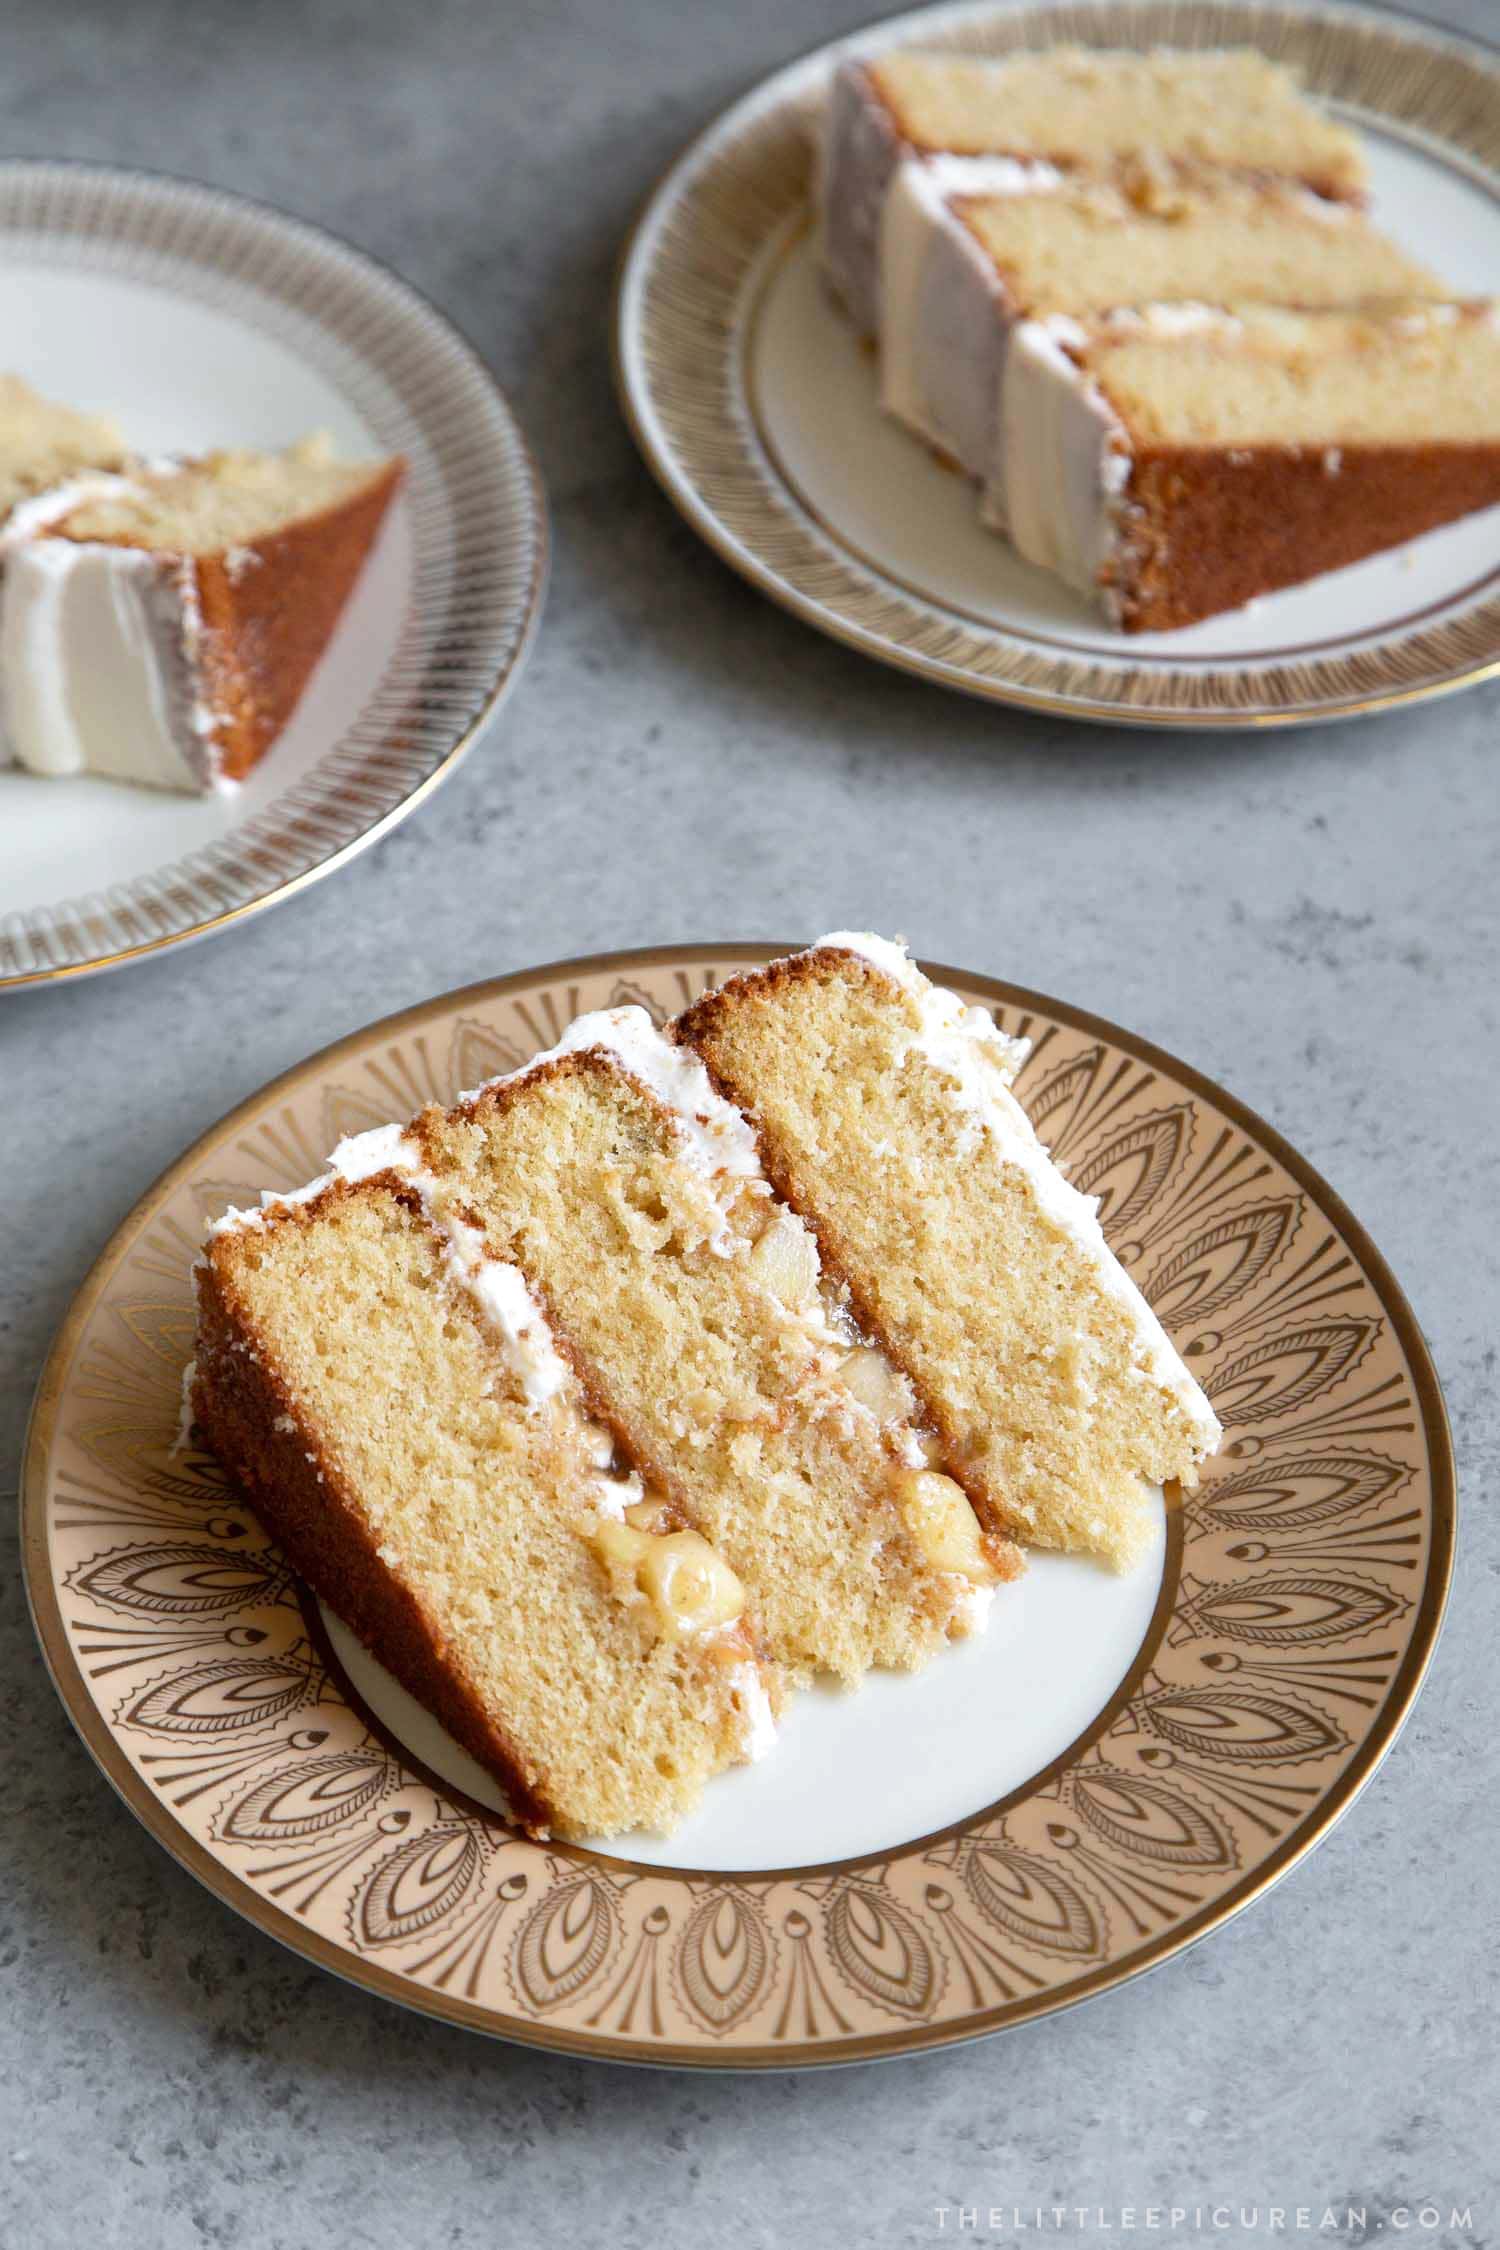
(1312, 918)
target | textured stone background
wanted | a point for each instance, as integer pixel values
(1310, 918)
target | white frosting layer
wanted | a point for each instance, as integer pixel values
(1179, 318)
(944, 321)
(184, 1410)
(909, 217)
(499, 1289)
(1064, 458)
(749, 1691)
(98, 654)
(973, 1607)
(982, 1087)
(29, 518)
(990, 175)
(964, 1042)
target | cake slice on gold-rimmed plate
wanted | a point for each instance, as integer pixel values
(318, 637)
(825, 1902)
(1033, 163)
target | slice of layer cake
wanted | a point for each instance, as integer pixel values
(161, 626)
(963, 267)
(1069, 108)
(693, 1306)
(550, 1399)
(1177, 460)
(43, 445)
(883, 1113)
(400, 1417)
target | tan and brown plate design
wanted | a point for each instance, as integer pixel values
(1303, 1589)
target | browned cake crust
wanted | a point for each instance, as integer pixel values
(270, 609)
(1215, 530)
(296, 1493)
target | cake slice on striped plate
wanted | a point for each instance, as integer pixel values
(161, 625)
(884, 1115)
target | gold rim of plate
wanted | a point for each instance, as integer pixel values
(474, 500)
(693, 274)
(1301, 1602)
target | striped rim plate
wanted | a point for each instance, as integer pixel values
(231, 323)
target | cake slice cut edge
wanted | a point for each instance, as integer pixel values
(1229, 106)
(402, 1423)
(1177, 460)
(1069, 109)
(161, 625)
(632, 1198)
(972, 248)
(731, 1472)
(883, 1113)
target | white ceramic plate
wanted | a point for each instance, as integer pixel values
(757, 408)
(229, 323)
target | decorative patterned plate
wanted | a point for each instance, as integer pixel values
(1252, 1680)
(232, 324)
(756, 408)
